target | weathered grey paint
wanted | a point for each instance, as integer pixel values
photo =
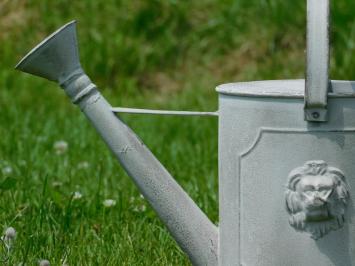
(317, 78)
(263, 137)
(56, 58)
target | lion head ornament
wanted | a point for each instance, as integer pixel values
(316, 198)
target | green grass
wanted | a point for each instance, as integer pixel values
(147, 54)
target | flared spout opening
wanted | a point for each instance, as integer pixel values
(56, 57)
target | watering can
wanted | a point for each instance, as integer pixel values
(286, 159)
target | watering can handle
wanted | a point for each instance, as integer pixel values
(317, 77)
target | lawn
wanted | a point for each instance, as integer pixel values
(55, 171)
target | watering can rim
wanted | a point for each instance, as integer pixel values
(288, 88)
(41, 44)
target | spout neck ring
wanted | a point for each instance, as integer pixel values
(78, 86)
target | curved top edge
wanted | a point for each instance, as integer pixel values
(38, 46)
(293, 88)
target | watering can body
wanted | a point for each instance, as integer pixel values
(268, 157)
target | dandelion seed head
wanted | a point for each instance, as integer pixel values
(143, 208)
(57, 184)
(140, 208)
(83, 165)
(60, 147)
(77, 195)
(7, 170)
(10, 233)
(132, 199)
(109, 203)
(44, 263)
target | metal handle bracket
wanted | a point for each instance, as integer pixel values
(317, 77)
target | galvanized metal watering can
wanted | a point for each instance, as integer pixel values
(286, 159)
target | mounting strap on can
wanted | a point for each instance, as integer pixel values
(317, 79)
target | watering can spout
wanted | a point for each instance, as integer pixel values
(56, 58)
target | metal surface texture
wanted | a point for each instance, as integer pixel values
(56, 58)
(287, 181)
(264, 146)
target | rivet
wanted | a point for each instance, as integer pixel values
(315, 115)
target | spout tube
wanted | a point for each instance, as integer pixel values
(189, 226)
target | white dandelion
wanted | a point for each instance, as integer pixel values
(77, 195)
(83, 165)
(132, 199)
(143, 208)
(140, 208)
(109, 203)
(60, 147)
(44, 263)
(7, 240)
(57, 184)
(10, 234)
(7, 170)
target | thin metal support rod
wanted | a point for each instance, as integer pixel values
(161, 112)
